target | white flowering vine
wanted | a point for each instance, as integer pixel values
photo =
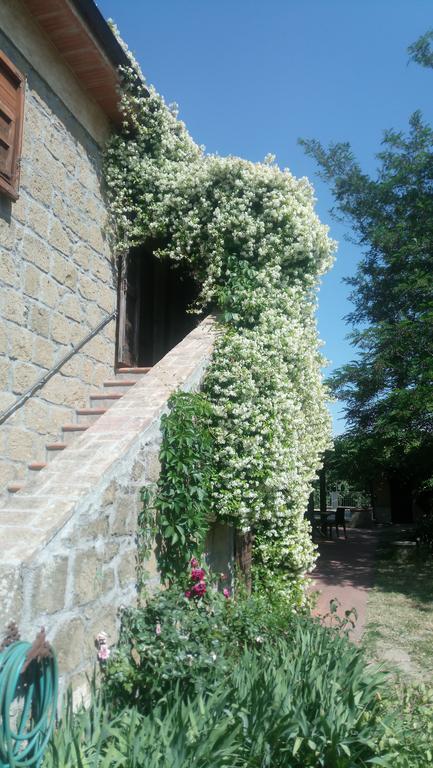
(251, 237)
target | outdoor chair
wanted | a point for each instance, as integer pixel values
(340, 520)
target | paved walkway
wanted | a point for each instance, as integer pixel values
(345, 570)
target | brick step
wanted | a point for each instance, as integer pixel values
(36, 466)
(53, 449)
(72, 431)
(128, 372)
(89, 415)
(105, 399)
(120, 383)
(133, 371)
(14, 487)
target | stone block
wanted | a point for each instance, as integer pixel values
(59, 238)
(102, 269)
(45, 165)
(64, 271)
(87, 370)
(24, 376)
(107, 298)
(49, 291)
(109, 494)
(36, 416)
(93, 530)
(31, 281)
(37, 218)
(61, 329)
(13, 307)
(44, 352)
(9, 270)
(126, 569)
(89, 289)
(20, 343)
(96, 238)
(108, 580)
(77, 194)
(71, 307)
(41, 189)
(9, 473)
(100, 374)
(4, 338)
(20, 445)
(153, 466)
(88, 576)
(8, 233)
(73, 367)
(49, 586)
(94, 314)
(69, 645)
(37, 252)
(82, 255)
(124, 515)
(6, 399)
(99, 350)
(40, 320)
(11, 596)
(21, 209)
(138, 472)
(5, 371)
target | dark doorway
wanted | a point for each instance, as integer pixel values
(154, 296)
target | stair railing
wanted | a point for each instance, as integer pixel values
(55, 369)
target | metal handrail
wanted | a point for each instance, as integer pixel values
(55, 369)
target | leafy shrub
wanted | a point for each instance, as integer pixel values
(306, 703)
(182, 502)
(176, 640)
(171, 641)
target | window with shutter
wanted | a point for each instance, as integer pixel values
(11, 126)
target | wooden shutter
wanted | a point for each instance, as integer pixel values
(11, 126)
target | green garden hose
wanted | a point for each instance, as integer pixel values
(28, 700)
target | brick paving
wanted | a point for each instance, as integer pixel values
(345, 571)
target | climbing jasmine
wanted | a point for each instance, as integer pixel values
(250, 236)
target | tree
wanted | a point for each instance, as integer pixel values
(388, 387)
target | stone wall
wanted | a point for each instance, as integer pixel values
(68, 544)
(57, 277)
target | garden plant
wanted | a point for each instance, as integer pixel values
(250, 237)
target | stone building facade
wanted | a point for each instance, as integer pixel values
(68, 525)
(69, 543)
(57, 273)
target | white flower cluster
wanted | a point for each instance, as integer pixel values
(254, 242)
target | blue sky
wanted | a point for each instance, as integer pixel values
(252, 77)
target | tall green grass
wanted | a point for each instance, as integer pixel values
(308, 704)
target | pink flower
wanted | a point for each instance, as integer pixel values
(226, 592)
(193, 562)
(198, 590)
(188, 593)
(197, 574)
(158, 629)
(103, 653)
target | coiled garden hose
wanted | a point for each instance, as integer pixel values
(28, 699)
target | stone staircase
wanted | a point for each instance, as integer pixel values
(100, 402)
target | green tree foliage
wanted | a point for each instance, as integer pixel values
(388, 387)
